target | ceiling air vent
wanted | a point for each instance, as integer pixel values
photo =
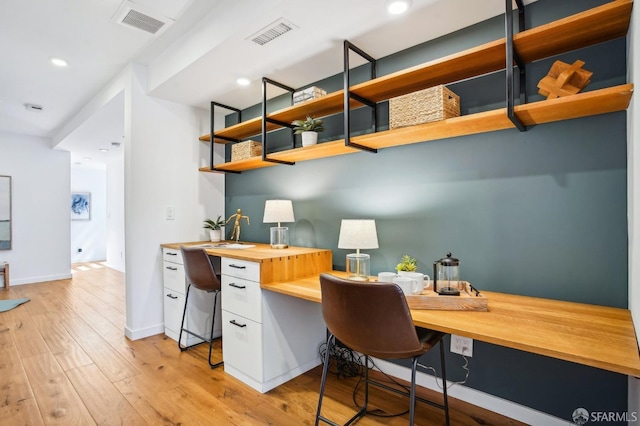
(133, 16)
(271, 32)
(142, 21)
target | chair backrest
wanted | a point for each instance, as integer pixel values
(371, 318)
(198, 269)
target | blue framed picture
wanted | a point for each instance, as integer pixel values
(80, 206)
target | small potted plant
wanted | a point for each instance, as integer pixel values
(407, 264)
(309, 129)
(215, 228)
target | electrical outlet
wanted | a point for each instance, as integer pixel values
(461, 345)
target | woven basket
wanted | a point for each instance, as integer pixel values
(432, 104)
(242, 150)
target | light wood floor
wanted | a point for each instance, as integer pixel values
(64, 360)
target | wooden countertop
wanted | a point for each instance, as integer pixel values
(259, 253)
(597, 336)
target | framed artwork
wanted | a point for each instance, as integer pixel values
(5, 212)
(80, 206)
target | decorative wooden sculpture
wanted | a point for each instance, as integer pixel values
(564, 80)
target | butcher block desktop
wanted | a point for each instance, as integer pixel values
(592, 335)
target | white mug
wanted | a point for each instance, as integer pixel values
(408, 285)
(386, 277)
(420, 278)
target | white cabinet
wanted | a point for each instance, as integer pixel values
(269, 338)
(200, 310)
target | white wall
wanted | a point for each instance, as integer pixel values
(115, 213)
(40, 204)
(162, 156)
(90, 236)
(633, 165)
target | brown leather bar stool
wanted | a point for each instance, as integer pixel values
(201, 275)
(374, 319)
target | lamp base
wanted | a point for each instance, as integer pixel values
(279, 237)
(358, 266)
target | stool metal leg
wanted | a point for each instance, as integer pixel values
(184, 314)
(204, 339)
(325, 369)
(213, 323)
(444, 384)
(412, 393)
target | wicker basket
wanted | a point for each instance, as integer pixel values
(432, 104)
(246, 149)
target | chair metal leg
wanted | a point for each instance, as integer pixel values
(325, 369)
(184, 314)
(213, 323)
(444, 384)
(204, 339)
(412, 392)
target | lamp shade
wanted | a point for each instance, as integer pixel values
(276, 211)
(358, 234)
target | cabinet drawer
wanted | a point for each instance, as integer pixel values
(173, 276)
(241, 269)
(242, 348)
(172, 255)
(242, 297)
(173, 307)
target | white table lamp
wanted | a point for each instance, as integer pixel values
(277, 211)
(358, 234)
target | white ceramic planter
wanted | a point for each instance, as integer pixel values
(215, 235)
(309, 138)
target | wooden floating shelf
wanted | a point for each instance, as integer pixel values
(600, 24)
(584, 104)
(603, 23)
(332, 103)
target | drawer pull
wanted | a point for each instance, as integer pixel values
(237, 266)
(171, 296)
(237, 286)
(172, 254)
(237, 324)
(172, 268)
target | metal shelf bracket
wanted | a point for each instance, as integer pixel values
(348, 95)
(266, 120)
(212, 135)
(511, 57)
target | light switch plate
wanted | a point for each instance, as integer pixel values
(169, 213)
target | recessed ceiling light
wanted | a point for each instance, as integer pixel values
(396, 7)
(59, 62)
(243, 81)
(86, 158)
(103, 150)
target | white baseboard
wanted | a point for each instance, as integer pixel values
(144, 332)
(41, 279)
(476, 397)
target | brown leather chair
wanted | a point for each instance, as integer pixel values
(201, 275)
(374, 319)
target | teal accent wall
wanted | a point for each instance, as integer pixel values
(540, 213)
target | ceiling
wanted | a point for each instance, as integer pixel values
(195, 58)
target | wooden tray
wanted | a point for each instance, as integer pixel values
(466, 301)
